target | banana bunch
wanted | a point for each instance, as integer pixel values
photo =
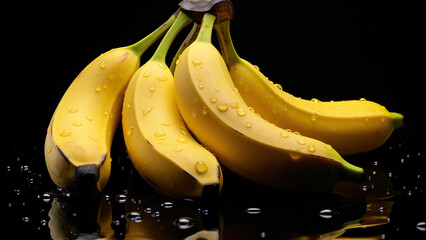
(179, 125)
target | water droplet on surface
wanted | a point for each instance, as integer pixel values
(151, 88)
(181, 140)
(278, 86)
(295, 154)
(73, 110)
(249, 125)
(314, 117)
(253, 210)
(184, 223)
(66, 133)
(146, 111)
(301, 141)
(89, 118)
(201, 167)
(222, 107)
(421, 226)
(362, 99)
(241, 112)
(162, 66)
(49, 149)
(166, 124)
(121, 198)
(217, 89)
(311, 148)
(196, 62)
(105, 111)
(147, 74)
(326, 213)
(234, 105)
(130, 130)
(135, 216)
(285, 134)
(213, 100)
(314, 100)
(102, 65)
(179, 149)
(167, 205)
(204, 110)
(160, 134)
(200, 86)
(161, 78)
(200, 78)
(77, 124)
(194, 113)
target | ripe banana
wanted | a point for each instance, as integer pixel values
(159, 144)
(243, 141)
(349, 126)
(79, 136)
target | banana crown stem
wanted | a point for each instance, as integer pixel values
(205, 34)
(227, 48)
(182, 21)
(140, 47)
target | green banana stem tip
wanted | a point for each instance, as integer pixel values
(398, 120)
(205, 34)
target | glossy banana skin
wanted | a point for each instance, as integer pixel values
(159, 144)
(244, 142)
(81, 130)
(349, 126)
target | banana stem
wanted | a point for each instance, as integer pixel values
(161, 52)
(225, 41)
(140, 47)
(188, 40)
(205, 34)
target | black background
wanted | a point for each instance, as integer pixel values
(329, 50)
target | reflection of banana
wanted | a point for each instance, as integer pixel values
(349, 126)
(243, 141)
(78, 141)
(158, 142)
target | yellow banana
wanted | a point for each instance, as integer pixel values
(157, 140)
(79, 136)
(349, 126)
(243, 141)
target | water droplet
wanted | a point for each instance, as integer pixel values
(151, 88)
(73, 110)
(285, 134)
(311, 148)
(251, 109)
(130, 130)
(222, 107)
(89, 118)
(167, 205)
(421, 226)
(179, 149)
(146, 111)
(256, 67)
(196, 62)
(249, 125)
(135, 216)
(200, 78)
(25, 219)
(106, 111)
(121, 198)
(161, 78)
(162, 66)
(194, 113)
(77, 124)
(49, 149)
(102, 65)
(253, 210)
(363, 99)
(45, 197)
(201, 167)
(277, 85)
(326, 213)
(301, 141)
(295, 154)
(241, 112)
(217, 89)
(297, 133)
(184, 223)
(200, 86)
(314, 117)
(147, 74)
(166, 124)
(234, 105)
(314, 100)
(65, 133)
(213, 100)
(204, 110)
(235, 90)
(160, 134)
(181, 140)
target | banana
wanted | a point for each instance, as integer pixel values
(349, 126)
(79, 136)
(243, 141)
(160, 146)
